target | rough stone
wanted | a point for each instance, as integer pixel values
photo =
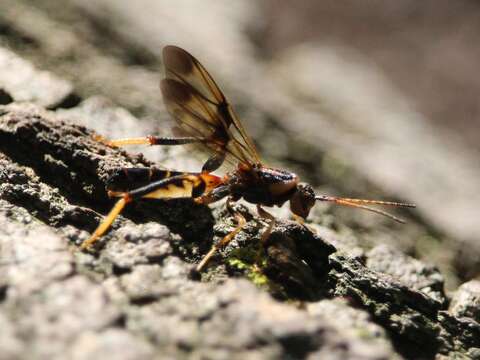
(143, 284)
(143, 244)
(110, 344)
(466, 301)
(408, 271)
(20, 81)
(409, 314)
(138, 285)
(134, 295)
(35, 258)
(355, 329)
(12, 346)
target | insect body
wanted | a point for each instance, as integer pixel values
(205, 118)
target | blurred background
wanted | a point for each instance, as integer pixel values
(375, 99)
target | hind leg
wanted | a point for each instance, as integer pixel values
(147, 140)
(179, 186)
(105, 224)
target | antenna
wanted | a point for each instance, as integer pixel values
(360, 203)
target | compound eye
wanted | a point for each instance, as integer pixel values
(302, 200)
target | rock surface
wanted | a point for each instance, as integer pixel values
(325, 290)
(136, 290)
(20, 81)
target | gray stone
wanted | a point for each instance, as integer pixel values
(466, 301)
(137, 284)
(22, 82)
(134, 296)
(355, 328)
(144, 284)
(109, 344)
(33, 256)
(12, 346)
(142, 244)
(408, 271)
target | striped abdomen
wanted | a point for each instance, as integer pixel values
(127, 179)
(154, 183)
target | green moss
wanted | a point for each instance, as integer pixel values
(251, 261)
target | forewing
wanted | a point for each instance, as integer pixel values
(200, 108)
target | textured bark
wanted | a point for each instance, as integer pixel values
(55, 171)
(338, 288)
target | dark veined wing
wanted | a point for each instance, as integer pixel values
(201, 110)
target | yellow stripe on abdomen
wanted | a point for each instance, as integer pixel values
(172, 191)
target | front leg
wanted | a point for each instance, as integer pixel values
(271, 223)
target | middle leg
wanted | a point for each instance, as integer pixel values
(240, 220)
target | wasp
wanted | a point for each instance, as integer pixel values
(205, 117)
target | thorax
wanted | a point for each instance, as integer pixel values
(263, 185)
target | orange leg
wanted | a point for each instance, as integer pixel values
(302, 222)
(148, 140)
(271, 223)
(179, 186)
(105, 224)
(224, 242)
(298, 219)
